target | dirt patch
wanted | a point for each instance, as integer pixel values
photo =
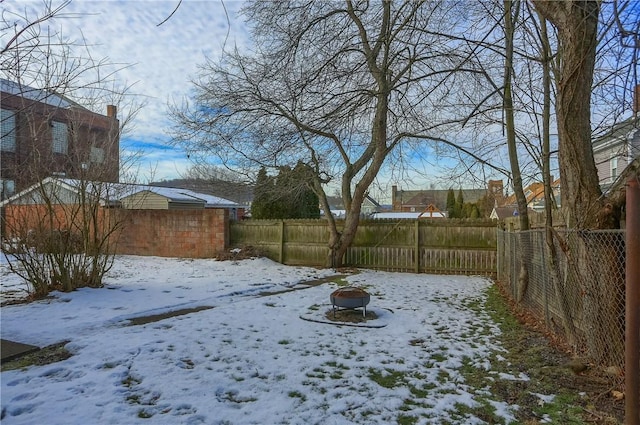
(143, 320)
(47, 355)
(240, 253)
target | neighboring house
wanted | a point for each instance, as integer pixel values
(419, 200)
(615, 150)
(127, 196)
(500, 213)
(45, 134)
(534, 193)
(336, 204)
(370, 206)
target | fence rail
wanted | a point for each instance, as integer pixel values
(420, 246)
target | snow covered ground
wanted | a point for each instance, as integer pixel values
(250, 359)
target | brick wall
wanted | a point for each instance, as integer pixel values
(173, 233)
(164, 233)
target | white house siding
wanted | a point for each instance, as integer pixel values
(613, 153)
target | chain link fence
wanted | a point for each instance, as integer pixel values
(576, 284)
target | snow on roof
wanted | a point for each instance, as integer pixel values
(409, 215)
(186, 195)
(39, 95)
(110, 192)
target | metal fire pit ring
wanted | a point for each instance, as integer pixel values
(350, 298)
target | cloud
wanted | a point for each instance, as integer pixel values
(159, 61)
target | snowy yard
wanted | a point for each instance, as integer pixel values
(251, 359)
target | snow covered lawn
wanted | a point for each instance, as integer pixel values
(251, 359)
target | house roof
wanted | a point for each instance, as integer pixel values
(504, 212)
(619, 131)
(44, 96)
(533, 192)
(418, 198)
(508, 211)
(373, 201)
(114, 192)
(409, 215)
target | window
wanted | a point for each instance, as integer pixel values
(7, 188)
(8, 131)
(614, 168)
(96, 155)
(60, 137)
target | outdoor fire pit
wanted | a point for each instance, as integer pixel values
(350, 298)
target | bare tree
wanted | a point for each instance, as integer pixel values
(60, 235)
(338, 86)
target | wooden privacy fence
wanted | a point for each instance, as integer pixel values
(419, 246)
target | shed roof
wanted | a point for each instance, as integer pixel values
(114, 192)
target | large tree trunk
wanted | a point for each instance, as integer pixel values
(340, 242)
(577, 25)
(584, 207)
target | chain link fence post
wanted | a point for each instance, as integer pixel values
(632, 330)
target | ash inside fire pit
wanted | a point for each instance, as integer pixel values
(349, 316)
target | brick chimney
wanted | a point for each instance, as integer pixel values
(394, 194)
(112, 111)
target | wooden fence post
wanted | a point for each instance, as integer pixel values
(417, 246)
(281, 253)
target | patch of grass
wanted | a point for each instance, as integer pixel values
(284, 342)
(387, 378)
(130, 381)
(337, 365)
(407, 420)
(528, 352)
(424, 391)
(443, 376)
(298, 394)
(144, 414)
(341, 282)
(484, 411)
(564, 408)
(438, 357)
(133, 399)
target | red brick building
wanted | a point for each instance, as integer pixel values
(45, 134)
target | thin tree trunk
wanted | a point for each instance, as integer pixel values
(511, 9)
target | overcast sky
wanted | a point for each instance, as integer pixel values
(162, 58)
